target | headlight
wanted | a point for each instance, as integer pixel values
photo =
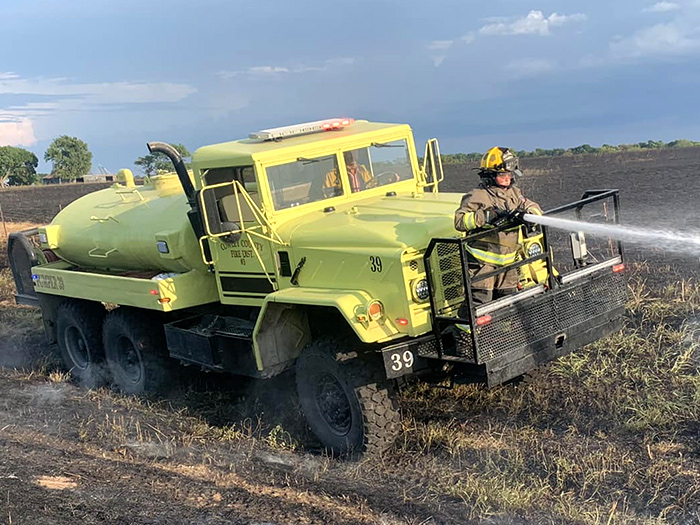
(534, 249)
(375, 310)
(420, 290)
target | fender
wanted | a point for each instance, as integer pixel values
(282, 328)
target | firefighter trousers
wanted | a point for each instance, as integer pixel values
(490, 288)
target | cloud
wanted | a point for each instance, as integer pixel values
(17, 133)
(99, 93)
(267, 70)
(661, 7)
(51, 101)
(669, 39)
(275, 71)
(441, 47)
(534, 23)
(437, 45)
(529, 67)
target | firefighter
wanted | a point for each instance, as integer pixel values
(358, 174)
(494, 202)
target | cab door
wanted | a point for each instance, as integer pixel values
(238, 236)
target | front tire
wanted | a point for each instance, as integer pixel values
(79, 338)
(135, 350)
(347, 400)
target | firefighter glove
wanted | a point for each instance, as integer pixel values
(518, 216)
(496, 217)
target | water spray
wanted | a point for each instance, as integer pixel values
(669, 240)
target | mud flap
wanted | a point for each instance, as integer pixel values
(20, 253)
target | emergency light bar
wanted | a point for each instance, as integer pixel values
(301, 129)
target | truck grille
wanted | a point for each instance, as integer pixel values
(448, 288)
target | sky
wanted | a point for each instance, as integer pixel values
(517, 73)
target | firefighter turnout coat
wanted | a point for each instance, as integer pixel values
(497, 248)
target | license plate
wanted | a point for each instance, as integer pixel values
(401, 361)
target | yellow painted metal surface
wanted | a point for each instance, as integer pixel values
(165, 294)
(119, 229)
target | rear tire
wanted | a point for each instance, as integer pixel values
(79, 338)
(135, 351)
(347, 400)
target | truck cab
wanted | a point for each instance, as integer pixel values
(287, 223)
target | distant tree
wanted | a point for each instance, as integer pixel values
(583, 148)
(608, 148)
(17, 166)
(70, 157)
(155, 163)
(682, 143)
(461, 158)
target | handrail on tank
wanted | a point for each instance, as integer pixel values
(180, 168)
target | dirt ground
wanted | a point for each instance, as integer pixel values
(219, 450)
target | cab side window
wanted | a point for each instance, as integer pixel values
(222, 208)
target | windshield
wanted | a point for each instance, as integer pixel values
(303, 181)
(378, 165)
(311, 179)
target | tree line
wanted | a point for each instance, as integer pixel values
(459, 158)
(70, 158)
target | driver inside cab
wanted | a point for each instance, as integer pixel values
(359, 176)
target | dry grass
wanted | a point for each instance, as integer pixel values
(5, 229)
(607, 432)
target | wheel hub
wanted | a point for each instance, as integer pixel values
(334, 405)
(77, 348)
(129, 361)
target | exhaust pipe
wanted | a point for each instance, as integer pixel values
(180, 169)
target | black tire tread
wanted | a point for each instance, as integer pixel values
(375, 394)
(88, 317)
(144, 329)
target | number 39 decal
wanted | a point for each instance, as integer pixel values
(375, 263)
(401, 360)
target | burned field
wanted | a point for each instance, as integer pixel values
(40, 203)
(605, 435)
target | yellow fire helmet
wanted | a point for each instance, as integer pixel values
(499, 160)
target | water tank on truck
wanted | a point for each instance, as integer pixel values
(129, 228)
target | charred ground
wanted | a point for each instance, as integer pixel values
(606, 435)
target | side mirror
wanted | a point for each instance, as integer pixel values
(432, 164)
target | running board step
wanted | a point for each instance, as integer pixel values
(215, 342)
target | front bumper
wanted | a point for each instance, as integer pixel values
(522, 336)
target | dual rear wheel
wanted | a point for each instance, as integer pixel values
(124, 347)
